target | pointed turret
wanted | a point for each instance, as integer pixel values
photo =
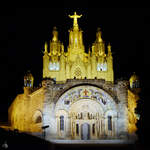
(99, 35)
(56, 47)
(45, 60)
(46, 48)
(109, 50)
(55, 35)
(98, 46)
(110, 63)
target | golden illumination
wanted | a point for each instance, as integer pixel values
(75, 17)
(108, 108)
(62, 65)
(132, 116)
(25, 109)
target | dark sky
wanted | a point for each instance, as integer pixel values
(25, 30)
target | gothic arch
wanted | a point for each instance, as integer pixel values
(111, 112)
(61, 112)
(61, 121)
(110, 122)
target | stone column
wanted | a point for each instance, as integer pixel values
(115, 126)
(68, 127)
(121, 90)
(100, 128)
(103, 127)
(80, 129)
(49, 119)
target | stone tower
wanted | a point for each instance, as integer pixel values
(76, 63)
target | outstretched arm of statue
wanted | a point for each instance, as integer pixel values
(70, 16)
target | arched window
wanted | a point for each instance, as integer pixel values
(77, 129)
(62, 123)
(133, 85)
(89, 115)
(138, 84)
(93, 128)
(110, 123)
(38, 119)
(81, 115)
(102, 66)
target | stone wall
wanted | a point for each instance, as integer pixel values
(26, 107)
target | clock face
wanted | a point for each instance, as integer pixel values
(53, 66)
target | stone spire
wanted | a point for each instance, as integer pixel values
(99, 35)
(46, 48)
(55, 45)
(55, 35)
(109, 50)
(98, 47)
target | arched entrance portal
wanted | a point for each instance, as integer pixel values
(86, 117)
(85, 131)
(88, 113)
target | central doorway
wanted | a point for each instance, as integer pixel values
(85, 131)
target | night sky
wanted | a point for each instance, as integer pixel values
(25, 30)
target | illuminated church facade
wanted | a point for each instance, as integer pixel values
(78, 99)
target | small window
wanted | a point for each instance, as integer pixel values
(89, 115)
(110, 123)
(135, 84)
(138, 84)
(81, 115)
(54, 66)
(66, 102)
(62, 123)
(77, 129)
(102, 66)
(93, 128)
(38, 119)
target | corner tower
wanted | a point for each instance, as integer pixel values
(53, 53)
(102, 62)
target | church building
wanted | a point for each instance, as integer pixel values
(79, 99)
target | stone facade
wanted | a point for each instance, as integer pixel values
(78, 99)
(88, 102)
(61, 65)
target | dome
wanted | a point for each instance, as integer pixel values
(134, 77)
(28, 79)
(134, 81)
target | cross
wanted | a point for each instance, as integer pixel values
(75, 17)
(85, 92)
